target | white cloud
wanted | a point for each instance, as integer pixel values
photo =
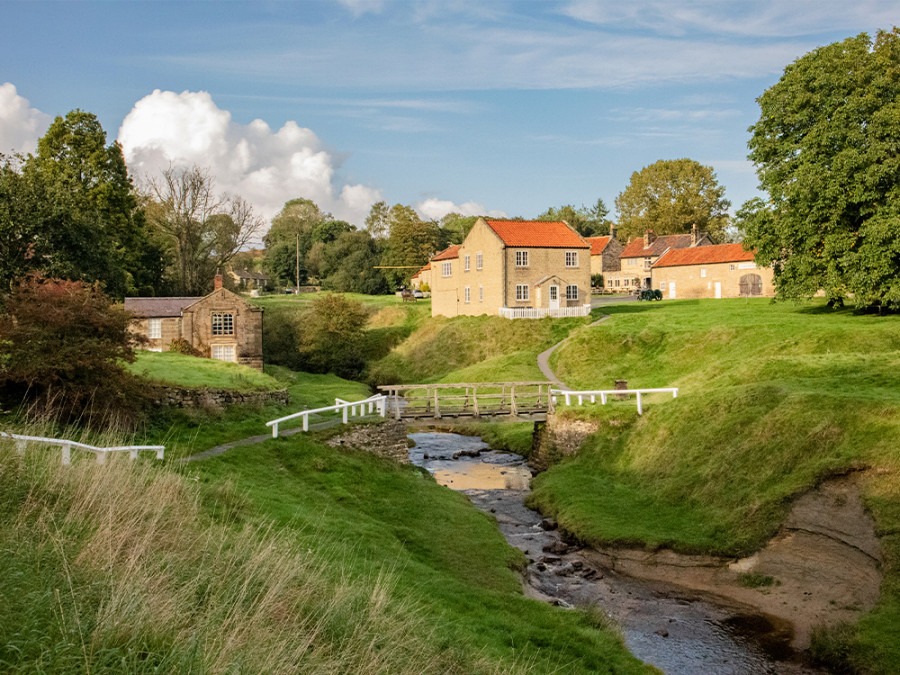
(265, 167)
(435, 209)
(20, 124)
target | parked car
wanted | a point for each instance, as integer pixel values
(419, 294)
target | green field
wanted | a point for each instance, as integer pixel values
(774, 398)
(191, 372)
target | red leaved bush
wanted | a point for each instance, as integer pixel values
(62, 345)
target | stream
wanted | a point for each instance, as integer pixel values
(670, 628)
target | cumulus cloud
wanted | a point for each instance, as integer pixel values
(263, 166)
(20, 124)
(435, 209)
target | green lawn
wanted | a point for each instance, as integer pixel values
(192, 372)
(773, 399)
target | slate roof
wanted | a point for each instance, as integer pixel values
(598, 244)
(448, 253)
(536, 234)
(705, 255)
(635, 249)
(158, 307)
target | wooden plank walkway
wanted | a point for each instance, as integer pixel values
(468, 399)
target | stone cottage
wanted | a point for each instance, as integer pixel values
(638, 256)
(718, 271)
(221, 325)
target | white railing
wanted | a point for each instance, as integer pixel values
(541, 312)
(604, 393)
(377, 403)
(66, 446)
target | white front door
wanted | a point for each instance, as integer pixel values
(718, 289)
(554, 297)
(671, 290)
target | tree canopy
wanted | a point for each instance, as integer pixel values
(587, 221)
(71, 211)
(825, 147)
(669, 197)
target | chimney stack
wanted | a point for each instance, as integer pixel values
(218, 282)
(613, 230)
(695, 234)
(649, 238)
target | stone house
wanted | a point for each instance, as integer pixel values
(248, 279)
(517, 269)
(422, 277)
(717, 271)
(605, 252)
(221, 325)
(638, 256)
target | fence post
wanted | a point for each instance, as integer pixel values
(275, 430)
(160, 453)
(580, 400)
(305, 422)
(101, 457)
(66, 453)
(437, 410)
(640, 409)
(568, 399)
(675, 392)
(603, 398)
(344, 412)
(20, 446)
(133, 454)
(513, 410)
(397, 405)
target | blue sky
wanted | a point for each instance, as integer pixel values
(501, 107)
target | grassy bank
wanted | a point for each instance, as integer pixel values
(773, 399)
(191, 372)
(282, 557)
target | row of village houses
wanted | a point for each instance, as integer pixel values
(522, 269)
(518, 269)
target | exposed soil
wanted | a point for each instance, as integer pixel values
(822, 568)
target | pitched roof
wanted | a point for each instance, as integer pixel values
(158, 307)
(598, 244)
(448, 253)
(536, 234)
(635, 249)
(705, 255)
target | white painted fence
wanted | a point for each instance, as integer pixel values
(604, 393)
(66, 447)
(377, 403)
(541, 312)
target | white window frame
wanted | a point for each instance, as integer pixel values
(662, 285)
(570, 294)
(522, 294)
(222, 323)
(479, 260)
(571, 258)
(446, 268)
(154, 329)
(481, 294)
(521, 258)
(466, 265)
(224, 353)
(702, 272)
(467, 295)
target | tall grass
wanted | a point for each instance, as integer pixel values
(117, 568)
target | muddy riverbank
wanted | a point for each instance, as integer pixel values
(667, 625)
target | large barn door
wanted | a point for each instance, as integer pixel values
(751, 284)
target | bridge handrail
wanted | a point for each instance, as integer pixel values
(67, 445)
(603, 393)
(340, 404)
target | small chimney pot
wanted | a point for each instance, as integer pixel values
(218, 282)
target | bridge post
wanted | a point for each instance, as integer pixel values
(513, 411)
(437, 410)
(475, 401)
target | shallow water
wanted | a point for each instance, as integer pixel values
(667, 627)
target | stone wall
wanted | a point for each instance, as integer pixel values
(176, 397)
(386, 439)
(558, 437)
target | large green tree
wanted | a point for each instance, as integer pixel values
(71, 211)
(411, 242)
(826, 151)
(289, 239)
(669, 197)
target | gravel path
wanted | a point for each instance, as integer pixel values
(543, 359)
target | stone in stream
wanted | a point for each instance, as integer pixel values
(557, 547)
(548, 524)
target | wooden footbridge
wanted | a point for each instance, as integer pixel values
(483, 399)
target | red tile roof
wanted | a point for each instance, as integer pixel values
(597, 244)
(705, 255)
(536, 234)
(658, 246)
(448, 253)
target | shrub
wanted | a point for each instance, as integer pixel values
(64, 344)
(182, 346)
(331, 338)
